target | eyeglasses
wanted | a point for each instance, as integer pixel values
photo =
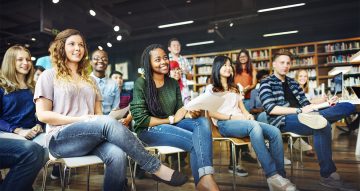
(97, 59)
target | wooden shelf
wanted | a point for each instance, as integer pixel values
(302, 67)
(315, 52)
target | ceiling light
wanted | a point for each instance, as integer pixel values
(27, 45)
(33, 58)
(119, 37)
(175, 24)
(55, 1)
(200, 43)
(33, 39)
(109, 44)
(129, 12)
(280, 33)
(100, 47)
(92, 12)
(188, 1)
(116, 28)
(231, 24)
(281, 7)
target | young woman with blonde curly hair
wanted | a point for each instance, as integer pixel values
(68, 100)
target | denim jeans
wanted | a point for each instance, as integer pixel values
(106, 138)
(25, 159)
(247, 104)
(322, 137)
(262, 117)
(272, 159)
(192, 135)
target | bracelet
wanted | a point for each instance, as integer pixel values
(230, 116)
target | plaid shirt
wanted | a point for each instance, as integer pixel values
(183, 62)
(272, 94)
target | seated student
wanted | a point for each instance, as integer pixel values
(158, 112)
(17, 110)
(234, 120)
(176, 73)
(255, 103)
(68, 101)
(125, 96)
(38, 71)
(289, 110)
(108, 88)
(25, 159)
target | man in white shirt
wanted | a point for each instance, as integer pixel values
(174, 47)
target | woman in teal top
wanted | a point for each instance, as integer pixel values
(161, 120)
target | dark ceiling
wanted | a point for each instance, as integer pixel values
(21, 20)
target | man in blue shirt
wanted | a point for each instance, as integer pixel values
(108, 88)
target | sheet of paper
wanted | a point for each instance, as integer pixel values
(120, 113)
(206, 101)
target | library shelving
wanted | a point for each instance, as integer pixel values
(318, 58)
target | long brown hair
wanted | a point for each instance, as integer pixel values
(248, 65)
(59, 59)
(8, 78)
(219, 62)
(306, 85)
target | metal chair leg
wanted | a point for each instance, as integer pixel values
(179, 166)
(88, 178)
(234, 165)
(45, 175)
(133, 186)
(62, 177)
(291, 156)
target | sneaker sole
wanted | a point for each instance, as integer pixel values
(312, 121)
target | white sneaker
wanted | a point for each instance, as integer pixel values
(312, 120)
(278, 183)
(287, 161)
(301, 143)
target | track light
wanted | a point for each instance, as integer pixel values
(116, 28)
(109, 44)
(92, 12)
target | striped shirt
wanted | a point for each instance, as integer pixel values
(272, 94)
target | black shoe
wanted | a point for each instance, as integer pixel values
(239, 171)
(248, 158)
(140, 173)
(55, 174)
(177, 179)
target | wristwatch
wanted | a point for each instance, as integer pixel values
(298, 110)
(171, 119)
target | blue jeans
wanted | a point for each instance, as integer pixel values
(322, 137)
(25, 159)
(262, 117)
(247, 104)
(192, 135)
(106, 138)
(272, 159)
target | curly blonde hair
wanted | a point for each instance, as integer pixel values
(59, 59)
(8, 79)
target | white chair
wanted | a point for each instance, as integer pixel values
(74, 162)
(291, 135)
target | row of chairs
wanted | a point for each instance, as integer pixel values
(87, 161)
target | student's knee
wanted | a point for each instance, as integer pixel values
(33, 153)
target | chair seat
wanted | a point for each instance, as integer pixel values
(165, 149)
(294, 135)
(73, 162)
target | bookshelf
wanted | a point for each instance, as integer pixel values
(318, 58)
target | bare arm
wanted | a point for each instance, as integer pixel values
(179, 115)
(46, 115)
(219, 116)
(98, 108)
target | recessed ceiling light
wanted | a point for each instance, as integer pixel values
(119, 37)
(100, 47)
(175, 24)
(116, 28)
(281, 7)
(200, 43)
(129, 12)
(188, 1)
(109, 44)
(33, 39)
(27, 45)
(231, 24)
(33, 58)
(280, 33)
(55, 1)
(92, 12)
